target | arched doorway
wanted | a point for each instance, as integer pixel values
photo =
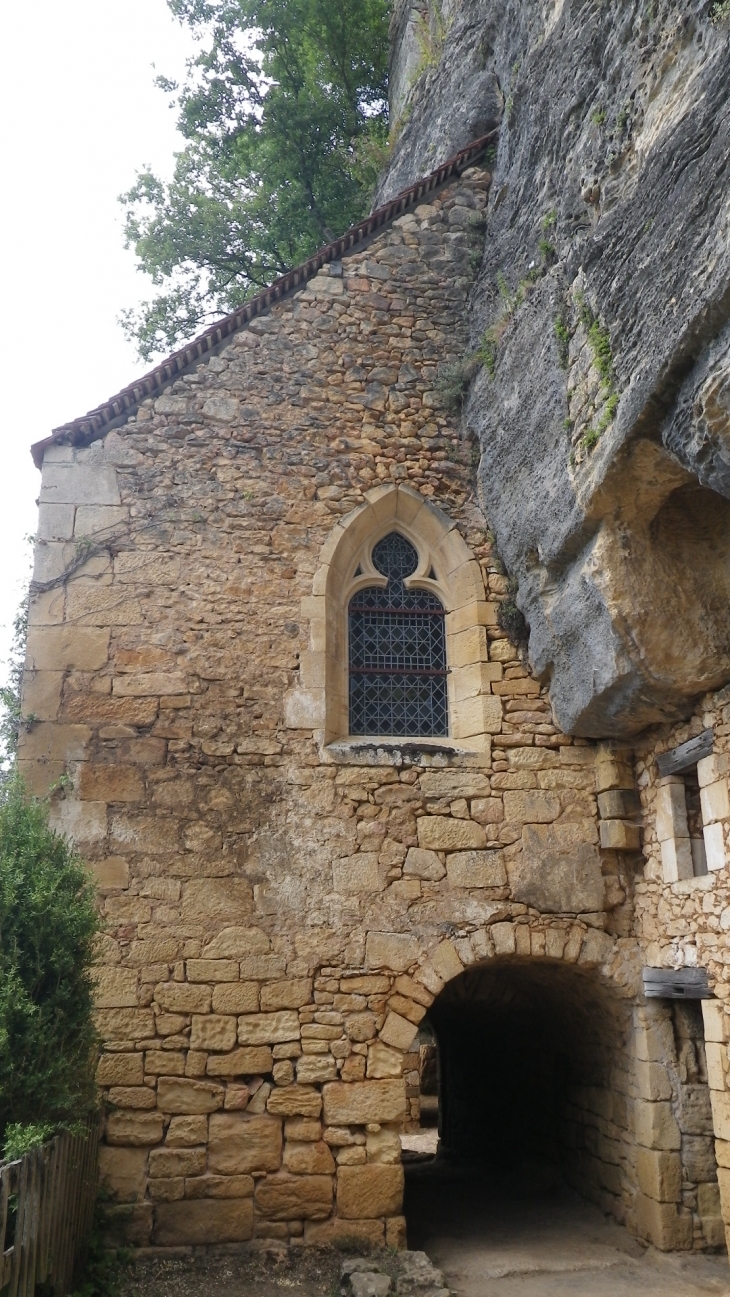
(534, 1065)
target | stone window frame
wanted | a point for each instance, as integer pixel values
(672, 829)
(321, 701)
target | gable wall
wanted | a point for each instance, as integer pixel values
(265, 918)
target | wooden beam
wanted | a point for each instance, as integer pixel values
(686, 755)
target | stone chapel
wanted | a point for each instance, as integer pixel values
(277, 684)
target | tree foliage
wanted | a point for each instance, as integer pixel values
(48, 929)
(284, 111)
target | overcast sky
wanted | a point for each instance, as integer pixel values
(82, 115)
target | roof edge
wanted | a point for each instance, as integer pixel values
(90, 426)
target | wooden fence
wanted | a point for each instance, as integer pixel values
(46, 1208)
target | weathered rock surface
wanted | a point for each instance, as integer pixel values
(607, 222)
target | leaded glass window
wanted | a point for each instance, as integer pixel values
(397, 651)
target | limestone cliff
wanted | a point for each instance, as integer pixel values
(602, 309)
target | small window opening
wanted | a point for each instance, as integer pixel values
(397, 648)
(694, 822)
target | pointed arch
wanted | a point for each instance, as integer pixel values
(446, 567)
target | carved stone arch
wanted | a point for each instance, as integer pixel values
(446, 566)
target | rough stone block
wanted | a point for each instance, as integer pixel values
(619, 835)
(176, 1161)
(164, 1062)
(368, 1191)
(290, 994)
(308, 1158)
(714, 847)
(109, 783)
(393, 950)
(715, 801)
(127, 1225)
(423, 864)
(199, 1221)
(115, 987)
(713, 1015)
(294, 1101)
(125, 1024)
(659, 1174)
(175, 1094)
(480, 715)
(215, 898)
(186, 1132)
(41, 695)
(676, 859)
(316, 1067)
(213, 1031)
(134, 1128)
(57, 648)
(79, 484)
(294, 1197)
(360, 1102)
(240, 1144)
(476, 869)
(50, 742)
(442, 833)
(663, 1225)
(236, 997)
(359, 873)
(268, 1028)
(398, 1031)
(85, 823)
(557, 873)
(120, 1069)
(529, 807)
(180, 997)
(110, 874)
(123, 1172)
(236, 943)
(247, 1061)
(220, 1186)
(212, 970)
(334, 1232)
(655, 1126)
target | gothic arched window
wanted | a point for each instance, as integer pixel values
(397, 651)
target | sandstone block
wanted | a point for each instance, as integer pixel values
(262, 967)
(125, 1024)
(398, 1031)
(557, 873)
(236, 943)
(360, 1102)
(235, 997)
(186, 1132)
(407, 1008)
(152, 684)
(116, 987)
(248, 1061)
(383, 1062)
(330, 1233)
(671, 809)
(714, 847)
(663, 1225)
(392, 950)
(220, 1186)
(454, 783)
(180, 997)
(441, 833)
(294, 1197)
(110, 874)
(239, 1144)
(175, 1094)
(51, 742)
(120, 1069)
(290, 994)
(531, 807)
(619, 835)
(203, 1220)
(660, 1174)
(84, 822)
(303, 1129)
(213, 1031)
(57, 648)
(316, 1068)
(715, 801)
(41, 695)
(109, 783)
(476, 869)
(212, 970)
(652, 1081)
(268, 1028)
(215, 898)
(368, 1191)
(445, 961)
(308, 1158)
(383, 1146)
(655, 1126)
(359, 873)
(123, 1172)
(128, 1225)
(713, 1014)
(72, 483)
(164, 1062)
(176, 1161)
(423, 864)
(294, 1101)
(479, 715)
(134, 1128)
(132, 1096)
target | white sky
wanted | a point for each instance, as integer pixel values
(82, 115)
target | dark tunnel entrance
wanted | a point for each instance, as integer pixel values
(533, 1079)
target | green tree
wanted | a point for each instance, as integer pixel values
(48, 930)
(285, 116)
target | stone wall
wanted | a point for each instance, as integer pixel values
(284, 902)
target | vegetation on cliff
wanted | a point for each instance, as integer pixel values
(284, 111)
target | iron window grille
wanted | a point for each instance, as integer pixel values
(397, 644)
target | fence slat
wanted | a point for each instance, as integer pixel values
(54, 1190)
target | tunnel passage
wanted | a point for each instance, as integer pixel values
(533, 1079)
